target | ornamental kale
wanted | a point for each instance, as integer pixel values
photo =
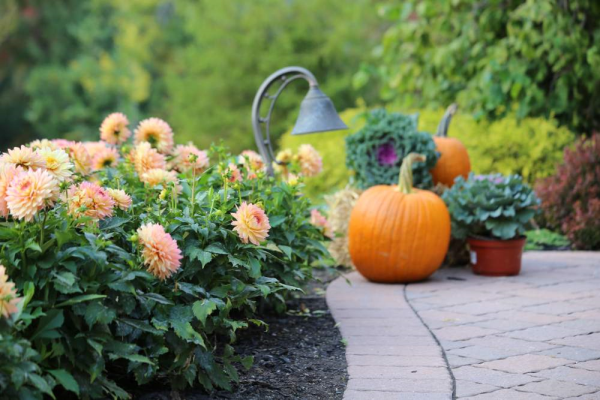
(492, 206)
(376, 151)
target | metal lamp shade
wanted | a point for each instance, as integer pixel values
(317, 114)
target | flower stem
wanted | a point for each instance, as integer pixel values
(405, 178)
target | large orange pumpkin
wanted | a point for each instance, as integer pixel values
(399, 233)
(454, 158)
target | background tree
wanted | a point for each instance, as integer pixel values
(66, 64)
(533, 57)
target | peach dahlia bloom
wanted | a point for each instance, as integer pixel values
(80, 157)
(121, 199)
(310, 160)
(156, 132)
(58, 163)
(189, 158)
(159, 176)
(105, 158)
(43, 144)
(233, 173)
(90, 200)
(29, 192)
(114, 129)
(251, 223)
(160, 252)
(8, 295)
(7, 173)
(252, 160)
(319, 220)
(23, 157)
(144, 158)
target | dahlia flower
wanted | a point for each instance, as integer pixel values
(252, 160)
(159, 176)
(114, 129)
(29, 192)
(7, 173)
(94, 147)
(104, 158)
(233, 173)
(90, 200)
(57, 163)
(80, 157)
(8, 295)
(43, 144)
(284, 156)
(144, 158)
(251, 223)
(156, 132)
(310, 161)
(23, 157)
(121, 199)
(319, 220)
(62, 143)
(189, 158)
(160, 252)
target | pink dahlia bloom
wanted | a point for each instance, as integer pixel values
(310, 161)
(251, 223)
(144, 158)
(90, 200)
(156, 132)
(8, 295)
(23, 157)
(114, 129)
(7, 173)
(29, 192)
(319, 220)
(160, 252)
(122, 199)
(189, 158)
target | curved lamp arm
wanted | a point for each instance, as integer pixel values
(263, 140)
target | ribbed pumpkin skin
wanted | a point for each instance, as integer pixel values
(453, 162)
(396, 237)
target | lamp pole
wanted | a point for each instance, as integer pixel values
(263, 139)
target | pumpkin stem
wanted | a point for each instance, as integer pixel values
(442, 129)
(405, 180)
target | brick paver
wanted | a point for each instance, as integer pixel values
(531, 336)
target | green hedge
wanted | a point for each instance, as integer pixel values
(531, 147)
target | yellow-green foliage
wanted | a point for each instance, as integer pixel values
(531, 147)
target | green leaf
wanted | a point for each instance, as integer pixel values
(216, 248)
(141, 325)
(41, 384)
(51, 321)
(203, 309)
(137, 358)
(157, 298)
(65, 379)
(254, 268)
(247, 362)
(185, 331)
(81, 299)
(287, 250)
(113, 223)
(276, 220)
(203, 256)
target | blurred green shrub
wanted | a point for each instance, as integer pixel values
(538, 58)
(531, 147)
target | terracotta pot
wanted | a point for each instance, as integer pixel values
(492, 257)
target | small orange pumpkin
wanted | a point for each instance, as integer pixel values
(398, 233)
(454, 158)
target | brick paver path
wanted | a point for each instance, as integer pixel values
(532, 336)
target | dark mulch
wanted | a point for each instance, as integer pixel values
(301, 356)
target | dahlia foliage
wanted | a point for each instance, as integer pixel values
(134, 259)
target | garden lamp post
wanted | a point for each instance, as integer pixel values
(317, 112)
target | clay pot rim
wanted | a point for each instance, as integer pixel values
(481, 241)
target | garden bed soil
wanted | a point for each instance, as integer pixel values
(301, 356)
